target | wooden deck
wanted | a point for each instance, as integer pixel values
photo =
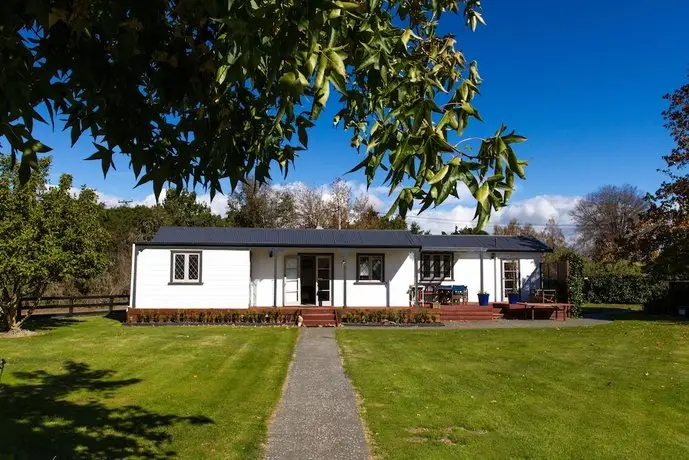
(536, 310)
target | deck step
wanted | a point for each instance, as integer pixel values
(314, 317)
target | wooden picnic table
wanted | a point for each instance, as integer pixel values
(532, 307)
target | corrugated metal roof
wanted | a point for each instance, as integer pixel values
(284, 237)
(486, 242)
(331, 238)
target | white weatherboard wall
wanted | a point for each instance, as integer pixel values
(224, 276)
(399, 271)
(467, 272)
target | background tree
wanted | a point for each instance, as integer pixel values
(184, 210)
(606, 220)
(468, 231)
(199, 91)
(552, 234)
(663, 239)
(339, 204)
(312, 211)
(125, 225)
(514, 228)
(416, 229)
(261, 206)
(46, 236)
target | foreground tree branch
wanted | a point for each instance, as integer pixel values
(196, 92)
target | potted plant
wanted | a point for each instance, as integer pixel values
(483, 298)
(513, 297)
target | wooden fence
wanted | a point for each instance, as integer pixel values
(73, 305)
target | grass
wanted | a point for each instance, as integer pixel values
(95, 389)
(611, 307)
(611, 391)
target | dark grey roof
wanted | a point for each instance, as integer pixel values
(330, 238)
(284, 237)
(485, 242)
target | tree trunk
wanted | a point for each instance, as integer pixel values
(9, 315)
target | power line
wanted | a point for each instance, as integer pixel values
(468, 222)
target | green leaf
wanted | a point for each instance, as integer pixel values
(406, 35)
(469, 109)
(513, 138)
(303, 137)
(440, 175)
(482, 196)
(372, 60)
(336, 62)
(514, 164)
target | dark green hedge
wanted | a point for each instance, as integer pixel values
(675, 296)
(621, 289)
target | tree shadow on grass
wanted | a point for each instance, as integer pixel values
(622, 314)
(48, 323)
(39, 420)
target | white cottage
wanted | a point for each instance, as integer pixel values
(184, 267)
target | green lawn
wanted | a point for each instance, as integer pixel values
(96, 389)
(611, 307)
(613, 391)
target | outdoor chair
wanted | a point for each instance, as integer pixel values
(444, 296)
(460, 294)
(416, 292)
(430, 295)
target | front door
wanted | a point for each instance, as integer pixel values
(511, 281)
(291, 281)
(324, 281)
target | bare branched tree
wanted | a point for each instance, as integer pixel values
(339, 203)
(606, 219)
(312, 211)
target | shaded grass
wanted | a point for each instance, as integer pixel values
(591, 307)
(613, 391)
(95, 389)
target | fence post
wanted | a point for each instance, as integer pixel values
(112, 300)
(71, 306)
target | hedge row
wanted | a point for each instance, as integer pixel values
(410, 316)
(623, 289)
(215, 317)
(278, 317)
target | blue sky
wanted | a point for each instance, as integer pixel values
(583, 81)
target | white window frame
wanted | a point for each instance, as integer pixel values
(370, 258)
(437, 258)
(186, 279)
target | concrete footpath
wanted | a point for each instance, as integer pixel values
(317, 417)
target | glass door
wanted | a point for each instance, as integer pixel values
(324, 281)
(291, 281)
(510, 278)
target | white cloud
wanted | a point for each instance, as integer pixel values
(535, 210)
(454, 212)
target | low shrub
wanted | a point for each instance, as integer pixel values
(213, 316)
(385, 315)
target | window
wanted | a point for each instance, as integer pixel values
(186, 267)
(370, 267)
(437, 266)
